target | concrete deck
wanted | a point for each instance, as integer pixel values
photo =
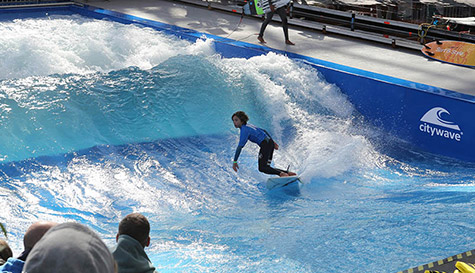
(401, 63)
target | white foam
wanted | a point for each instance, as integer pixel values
(288, 92)
(73, 44)
(321, 115)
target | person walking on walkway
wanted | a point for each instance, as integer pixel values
(271, 7)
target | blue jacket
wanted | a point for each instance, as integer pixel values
(252, 133)
(13, 265)
(131, 257)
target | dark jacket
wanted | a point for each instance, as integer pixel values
(131, 257)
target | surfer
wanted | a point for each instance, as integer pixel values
(275, 6)
(262, 138)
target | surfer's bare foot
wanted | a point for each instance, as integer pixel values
(261, 39)
(291, 174)
(282, 174)
(288, 42)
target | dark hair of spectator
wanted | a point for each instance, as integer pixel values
(136, 226)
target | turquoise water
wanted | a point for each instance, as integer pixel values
(129, 119)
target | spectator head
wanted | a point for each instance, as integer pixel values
(35, 232)
(5, 251)
(136, 226)
(70, 248)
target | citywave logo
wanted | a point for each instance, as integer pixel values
(434, 124)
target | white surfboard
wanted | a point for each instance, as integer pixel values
(286, 181)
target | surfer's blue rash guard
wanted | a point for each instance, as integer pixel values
(252, 133)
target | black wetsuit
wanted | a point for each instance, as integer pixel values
(265, 157)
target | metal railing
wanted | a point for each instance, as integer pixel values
(376, 25)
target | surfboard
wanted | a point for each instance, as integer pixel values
(287, 181)
(453, 52)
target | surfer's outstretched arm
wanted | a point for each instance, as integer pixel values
(236, 156)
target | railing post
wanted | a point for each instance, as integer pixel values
(352, 24)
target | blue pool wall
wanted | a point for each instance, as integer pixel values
(391, 104)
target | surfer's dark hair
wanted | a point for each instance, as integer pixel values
(242, 116)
